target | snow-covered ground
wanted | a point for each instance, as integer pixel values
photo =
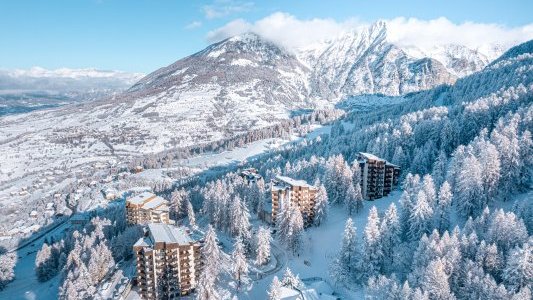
(241, 154)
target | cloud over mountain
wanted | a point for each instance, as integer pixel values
(292, 32)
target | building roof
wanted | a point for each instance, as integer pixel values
(391, 164)
(141, 198)
(284, 181)
(286, 293)
(154, 203)
(370, 156)
(163, 233)
(149, 201)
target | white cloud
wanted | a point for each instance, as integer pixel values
(442, 31)
(285, 29)
(291, 32)
(193, 25)
(223, 8)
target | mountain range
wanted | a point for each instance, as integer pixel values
(38, 88)
(238, 84)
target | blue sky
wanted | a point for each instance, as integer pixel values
(142, 35)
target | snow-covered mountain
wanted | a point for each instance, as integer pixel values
(365, 61)
(36, 88)
(241, 83)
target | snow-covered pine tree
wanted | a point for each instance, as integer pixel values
(428, 186)
(263, 246)
(372, 248)
(518, 271)
(506, 231)
(408, 200)
(444, 202)
(350, 202)
(211, 255)
(290, 280)
(190, 215)
(45, 265)
(7, 266)
(100, 262)
(348, 259)
(390, 235)
(435, 281)
(526, 158)
(240, 265)
(177, 205)
(274, 292)
(321, 205)
(439, 168)
(283, 220)
(489, 160)
(296, 230)
(421, 217)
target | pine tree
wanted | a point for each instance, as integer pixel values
(348, 259)
(45, 263)
(350, 201)
(506, 230)
(7, 266)
(263, 246)
(435, 281)
(321, 206)
(489, 160)
(240, 265)
(177, 200)
(100, 263)
(211, 255)
(439, 168)
(390, 235)
(444, 202)
(421, 217)
(211, 252)
(191, 216)
(372, 248)
(283, 220)
(518, 272)
(274, 292)
(296, 230)
(290, 280)
(428, 186)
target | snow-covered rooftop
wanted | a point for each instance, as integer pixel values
(284, 180)
(163, 233)
(154, 203)
(369, 156)
(141, 198)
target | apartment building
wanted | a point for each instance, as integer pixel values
(147, 208)
(288, 191)
(378, 176)
(168, 261)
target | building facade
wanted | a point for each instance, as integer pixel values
(168, 261)
(288, 191)
(147, 208)
(378, 176)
